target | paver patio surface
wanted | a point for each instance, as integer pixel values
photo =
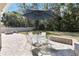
(15, 45)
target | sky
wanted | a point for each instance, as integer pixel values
(13, 7)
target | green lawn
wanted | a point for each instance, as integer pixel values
(74, 35)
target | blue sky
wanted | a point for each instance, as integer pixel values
(13, 7)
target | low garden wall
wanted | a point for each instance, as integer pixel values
(62, 40)
(76, 48)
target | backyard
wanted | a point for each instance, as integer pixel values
(42, 26)
(17, 44)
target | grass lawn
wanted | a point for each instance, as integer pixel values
(73, 35)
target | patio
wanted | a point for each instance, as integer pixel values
(17, 45)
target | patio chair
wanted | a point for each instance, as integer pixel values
(29, 37)
(43, 39)
(37, 41)
(32, 39)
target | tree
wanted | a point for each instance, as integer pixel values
(35, 6)
(14, 19)
(65, 16)
(37, 24)
(70, 18)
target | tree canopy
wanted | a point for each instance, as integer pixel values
(63, 16)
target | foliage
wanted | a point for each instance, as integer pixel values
(67, 17)
(14, 19)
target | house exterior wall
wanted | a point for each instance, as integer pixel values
(2, 6)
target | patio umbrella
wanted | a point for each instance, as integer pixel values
(39, 14)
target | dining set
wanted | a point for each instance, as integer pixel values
(39, 43)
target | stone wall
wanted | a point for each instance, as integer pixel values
(76, 48)
(62, 40)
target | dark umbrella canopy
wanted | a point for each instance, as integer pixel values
(39, 14)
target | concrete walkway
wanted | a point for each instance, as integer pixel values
(15, 45)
